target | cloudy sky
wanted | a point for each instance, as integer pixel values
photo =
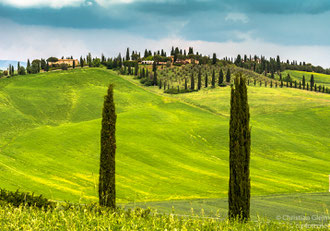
(293, 29)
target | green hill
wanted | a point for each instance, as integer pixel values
(169, 147)
(319, 79)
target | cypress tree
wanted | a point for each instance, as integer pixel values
(213, 79)
(239, 153)
(271, 84)
(303, 82)
(199, 84)
(206, 80)
(295, 84)
(185, 84)
(81, 62)
(214, 59)
(47, 67)
(312, 82)
(28, 66)
(155, 78)
(136, 69)
(127, 54)
(73, 64)
(307, 87)
(192, 82)
(228, 76)
(107, 186)
(220, 77)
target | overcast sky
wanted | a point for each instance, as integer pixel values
(293, 29)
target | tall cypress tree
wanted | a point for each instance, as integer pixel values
(239, 154)
(192, 82)
(127, 54)
(185, 84)
(303, 82)
(107, 186)
(206, 80)
(199, 83)
(214, 58)
(47, 67)
(28, 66)
(136, 68)
(312, 82)
(213, 79)
(155, 78)
(220, 77)
(228, 76)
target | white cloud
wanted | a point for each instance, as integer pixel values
(112, 2)
(237, 17)
(22, 42)
(42, 3)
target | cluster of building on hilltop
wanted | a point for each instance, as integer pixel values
(65, 61)
(148, 62)
(178, 61)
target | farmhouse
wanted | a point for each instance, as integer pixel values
(65, 61)
(187, 61)
(147, 62)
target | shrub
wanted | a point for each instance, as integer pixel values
(175, 91)
(21, 71)
(64, 66)
(146, 82)
(20, 198)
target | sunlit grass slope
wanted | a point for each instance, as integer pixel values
(319, 79)
(169, 147)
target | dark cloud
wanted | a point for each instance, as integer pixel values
(278, 21)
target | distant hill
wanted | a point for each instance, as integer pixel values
(5, 63)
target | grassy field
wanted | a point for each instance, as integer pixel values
(169, 147)
(319, 79)
(94, 218)
(314, 207)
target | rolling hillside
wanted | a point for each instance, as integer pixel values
(320, 79)
(169, 147)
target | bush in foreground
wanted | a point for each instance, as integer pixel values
(22, 198)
